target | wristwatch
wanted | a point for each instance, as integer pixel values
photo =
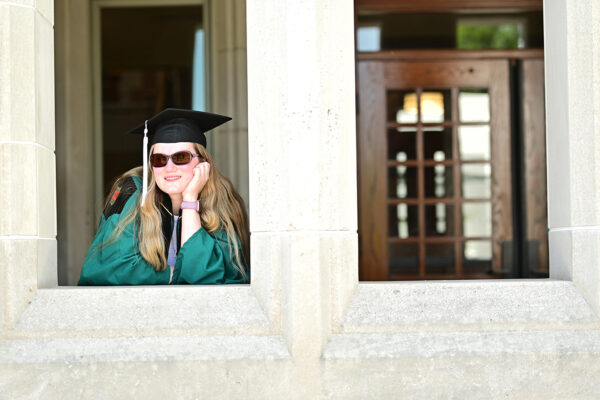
(192, 205)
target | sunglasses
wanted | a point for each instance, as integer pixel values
(158, 160)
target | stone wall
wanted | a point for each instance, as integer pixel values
(27, 162)
(305, 328)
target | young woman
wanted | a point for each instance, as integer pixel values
(188, 226)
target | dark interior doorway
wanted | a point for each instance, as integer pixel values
(150, 61)
(451, 144)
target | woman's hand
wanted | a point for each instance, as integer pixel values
(193, 189)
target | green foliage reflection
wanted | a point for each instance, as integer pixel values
(507, 36)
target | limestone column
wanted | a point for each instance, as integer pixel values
(573, 127)
(27, 162)
(302, 160)
(77, 202)
(228, 90)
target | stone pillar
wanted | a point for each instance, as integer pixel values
(573, 79)
(77, 202)
(302, 157)
(228, 90)
(27, 162)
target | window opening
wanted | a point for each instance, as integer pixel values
(456, 206)
(152, 58)
(445, 162)
(199, 72)
(368, 38)
(507, 33)
(475, 30)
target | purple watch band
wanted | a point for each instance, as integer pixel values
(192, 205)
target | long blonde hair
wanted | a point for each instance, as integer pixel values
(222, 208)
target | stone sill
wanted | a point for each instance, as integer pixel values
(440, 344)
(132, 349)
(467, 305)
(142, 310)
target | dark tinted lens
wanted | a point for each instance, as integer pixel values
(158, 160)
(181, 157)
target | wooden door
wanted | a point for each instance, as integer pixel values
(434, 150)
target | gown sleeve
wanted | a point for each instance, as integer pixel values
(119, 262)
(205, 259)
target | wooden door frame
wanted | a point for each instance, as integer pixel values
(449, 54)
(396, 6)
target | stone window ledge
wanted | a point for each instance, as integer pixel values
(467, 305)
(132, 349)
(142, 311)
(440, 344)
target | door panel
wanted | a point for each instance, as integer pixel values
(535, 164)
(372, 172)
(434, 168)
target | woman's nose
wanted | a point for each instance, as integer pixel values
(170, 165)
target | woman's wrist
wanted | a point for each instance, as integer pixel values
(190, 223)
(190, 197)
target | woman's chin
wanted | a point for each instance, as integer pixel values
(171, 189)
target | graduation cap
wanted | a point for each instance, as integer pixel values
(173, 125)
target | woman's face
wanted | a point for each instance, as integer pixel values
(172, 178)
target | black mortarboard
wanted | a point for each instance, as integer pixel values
(174, 125)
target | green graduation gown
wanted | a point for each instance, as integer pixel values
(203, 259)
